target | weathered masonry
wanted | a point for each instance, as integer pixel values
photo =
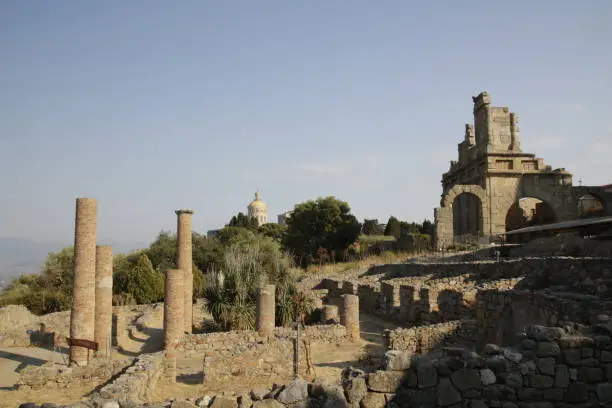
(495, 187)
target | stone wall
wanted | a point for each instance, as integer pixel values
(550, 367)
(503, 314)
(423, 339)
(20, 328)
(53, 375)
(137, 384)
(245, 354)
(416, 300)
(561, 270)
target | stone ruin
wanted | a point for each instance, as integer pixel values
(528, 332)
(93, 265)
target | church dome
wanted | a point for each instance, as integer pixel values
(258, 210)
(258, 203)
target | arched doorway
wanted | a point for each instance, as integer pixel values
(528, 212)
(467, 218)
(590, 206)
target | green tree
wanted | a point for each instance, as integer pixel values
(322, 223)
(58, 270)
(244, 221)
(407, 228)
(371, 227)
(427, 227)
(274, 231)
(48, 292)
(229, 236)
(393, 227)
(163, 252)
(207, 253)
(141, 281)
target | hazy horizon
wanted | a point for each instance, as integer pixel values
(151, 106)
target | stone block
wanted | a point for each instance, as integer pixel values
(385, 381)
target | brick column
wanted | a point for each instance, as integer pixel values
(185, 263)
(330, 313)
(104, 300)
(84, 289)
(266, 310)
(349, 316)
(174, 303)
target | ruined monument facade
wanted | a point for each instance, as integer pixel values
(481, 190)
(84, 291)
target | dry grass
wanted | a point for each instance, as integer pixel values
(334, 269)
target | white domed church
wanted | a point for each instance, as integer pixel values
(258, 209)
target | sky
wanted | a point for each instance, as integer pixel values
(151, 105)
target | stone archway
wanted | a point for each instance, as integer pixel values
(467, 218)
(591, 205)
(444, 214)
(528, 212)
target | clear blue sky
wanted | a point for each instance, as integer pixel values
(151, 105)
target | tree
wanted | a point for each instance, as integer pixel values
(371, 227)
(207, 253)
(393, 227)
(163, 251)
(274, 231)
(58, 270)
(428, 228)
(407, 228)
(48, 292)
(142, 281)
(244, 221)
(322, 223)
(229, 236)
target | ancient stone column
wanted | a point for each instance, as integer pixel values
(349, 316)
(266, 310)
(330, 313)
(104, 300)
(185, 263)
(170, 366)
(174, 304)
(84, 289)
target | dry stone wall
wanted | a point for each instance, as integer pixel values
(53, 375)
(423, 339)
(20, 328)
(137, 384)
(229, 356)
(503, 314)
(550, 367)
(562, 270)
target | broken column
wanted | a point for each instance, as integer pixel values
(330, 314)
(349, 316)
(265, 312)
(174, 303)
(84, 289)
(185, 263)
(104, 300)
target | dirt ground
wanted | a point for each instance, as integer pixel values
(328, 361)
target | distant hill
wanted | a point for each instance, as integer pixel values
(19, 256)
